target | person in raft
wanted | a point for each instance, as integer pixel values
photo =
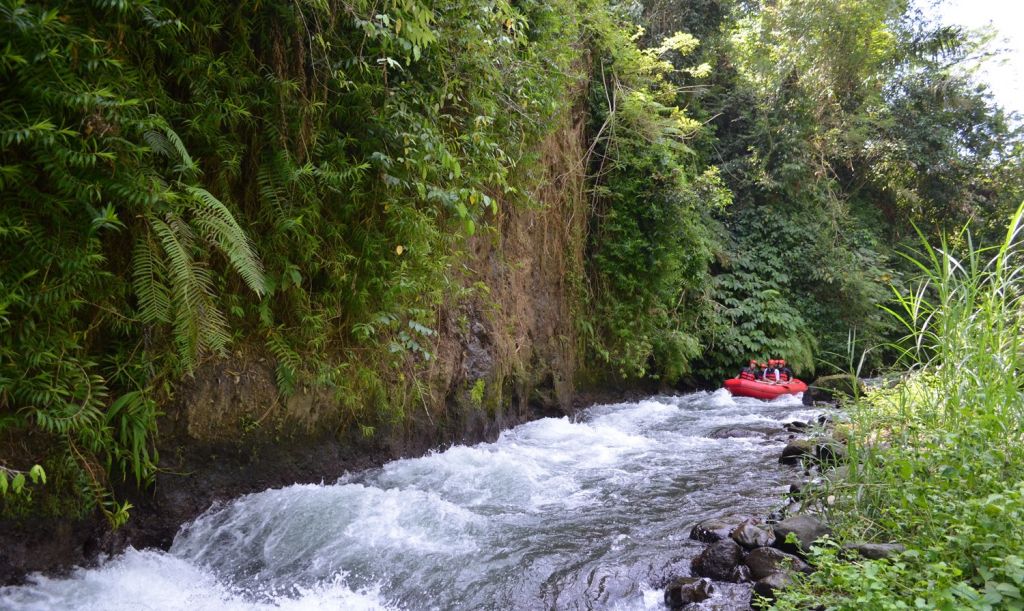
(775, 371)
(750, 372)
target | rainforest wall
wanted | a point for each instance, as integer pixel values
(250, 245)
(247, 246)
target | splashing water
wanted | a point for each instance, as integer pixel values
(591, 513)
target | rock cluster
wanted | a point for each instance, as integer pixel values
(753, 551)
(767, 553)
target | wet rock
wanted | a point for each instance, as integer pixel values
(741, 432)
(838, 474)
(795, 488)
(797, 450)
(764, 561)
(716, 529)
(830, 388)
(796, 427)
(686, 590)
(659, 577)
(718, 560)
(730, 433)
(830, 452)
(740, 574)
(876, 551)
(750, 536)
(780, 514)
(806, 529)
(768, 585)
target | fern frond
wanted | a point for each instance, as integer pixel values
(186, 164)
(198, 325)
(153, 295)
(168, 144)
(158, 143)
(288, 363)
(219, 226)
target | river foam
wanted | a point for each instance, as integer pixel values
(557, 513)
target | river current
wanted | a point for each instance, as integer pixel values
(591, 512)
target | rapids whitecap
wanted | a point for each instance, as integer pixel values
(557, 513)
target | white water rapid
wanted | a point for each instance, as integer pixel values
(590, 513)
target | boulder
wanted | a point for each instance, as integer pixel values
(796, 426)
(876, 551)
(764, 561)
(686, 590)
(780, 514)
(740, 574)
(736, 433)
(831, 388)
(741, 432)
(830, 452)
(716, 529)
(750, 536)
(838, 474)
(806, 529)
(796, 450)
(718, 560)
(768, 585)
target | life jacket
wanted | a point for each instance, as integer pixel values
(785, 376)
(746, 374)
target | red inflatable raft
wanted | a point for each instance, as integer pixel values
(763, 390)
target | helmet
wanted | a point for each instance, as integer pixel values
(752, 363)
(762, 364)
(782, 362)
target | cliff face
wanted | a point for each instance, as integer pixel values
(502, 356)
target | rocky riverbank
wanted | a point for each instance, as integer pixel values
(762, 550)
(768, 551)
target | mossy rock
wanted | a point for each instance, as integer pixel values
(832, 388)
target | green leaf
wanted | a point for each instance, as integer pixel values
(18, 483)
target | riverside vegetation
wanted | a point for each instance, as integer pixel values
(936, 461)
(190, 181)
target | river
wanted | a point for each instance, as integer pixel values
(591, 512)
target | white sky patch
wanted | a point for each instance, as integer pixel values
(1004, 73)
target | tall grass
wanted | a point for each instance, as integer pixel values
(937, 461)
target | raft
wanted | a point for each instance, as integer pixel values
(763, 390)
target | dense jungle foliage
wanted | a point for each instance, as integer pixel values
(181, 180)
